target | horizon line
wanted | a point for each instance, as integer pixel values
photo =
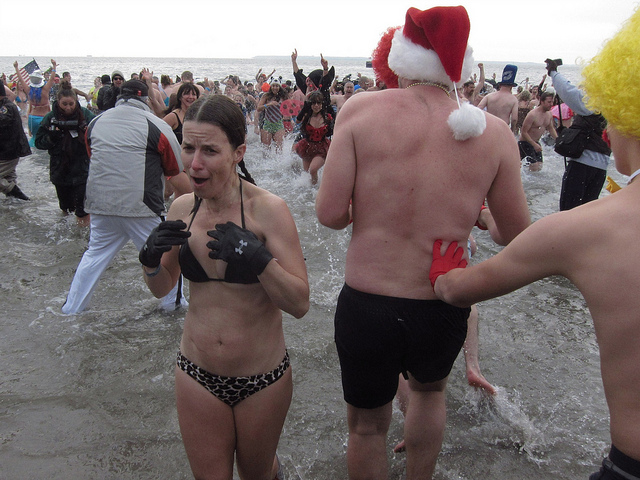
(255, 57)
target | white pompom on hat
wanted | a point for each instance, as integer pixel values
(432, 47)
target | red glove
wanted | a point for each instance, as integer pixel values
(451, 259)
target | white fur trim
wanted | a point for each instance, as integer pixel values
(467, 122)
(414, 62)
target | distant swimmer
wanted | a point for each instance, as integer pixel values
(502, 103)
(338, 100)
(535, 124)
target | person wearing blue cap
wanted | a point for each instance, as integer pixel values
(502, 103)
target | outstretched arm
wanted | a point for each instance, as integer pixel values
(542, 250)
(21, 84)
(7, 91)
(479, 84)
(155, 98)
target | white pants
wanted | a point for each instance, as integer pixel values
(108, 235)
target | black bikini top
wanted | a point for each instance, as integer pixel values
(193, 271)
(178, 129)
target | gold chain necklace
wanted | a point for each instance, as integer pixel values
(433, 84)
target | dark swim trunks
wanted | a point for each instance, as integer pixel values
(379, 337)
(618, 466)
(528, 153)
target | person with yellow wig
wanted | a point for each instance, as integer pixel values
(593, 245)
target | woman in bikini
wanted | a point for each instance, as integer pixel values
(316, 127)
(239, 247)
(37, 93)
(186, 95)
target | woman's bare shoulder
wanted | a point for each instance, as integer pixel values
(181, 207)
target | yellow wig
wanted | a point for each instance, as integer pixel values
(611, 78)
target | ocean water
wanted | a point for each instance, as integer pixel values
(91, 396)
(84, 69)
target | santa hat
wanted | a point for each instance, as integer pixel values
(432, 47)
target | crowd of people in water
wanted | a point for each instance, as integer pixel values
(242, 254)
(274, 108)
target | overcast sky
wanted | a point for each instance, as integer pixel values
(501, 30)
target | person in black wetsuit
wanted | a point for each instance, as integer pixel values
(238, 246)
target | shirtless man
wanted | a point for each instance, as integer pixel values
(406, 193)
(593, 245)
(338, 100)
(502, 103)
(186, 76)
(67, 76)
(535, 124)
(365, 84)
(471, 91)
(39, 104)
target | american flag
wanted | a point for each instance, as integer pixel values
(25, 71)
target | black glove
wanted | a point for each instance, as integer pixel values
(236, 245)
(552, 66)
(161, 239)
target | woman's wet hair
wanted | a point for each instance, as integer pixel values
(66, 90)
(316, 97)
(306, 113)
(224, 113)
(175, 103)
(525, 95)
(280, 96)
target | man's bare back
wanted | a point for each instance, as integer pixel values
(503, 104)
(407, 171)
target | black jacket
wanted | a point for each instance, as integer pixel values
(107, 96)
(69, 163)
(593, 126)
(13, 140)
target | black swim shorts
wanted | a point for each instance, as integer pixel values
(379, 337)
(618, 466)
(528, 153)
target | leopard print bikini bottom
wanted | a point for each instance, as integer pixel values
(232, 390)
